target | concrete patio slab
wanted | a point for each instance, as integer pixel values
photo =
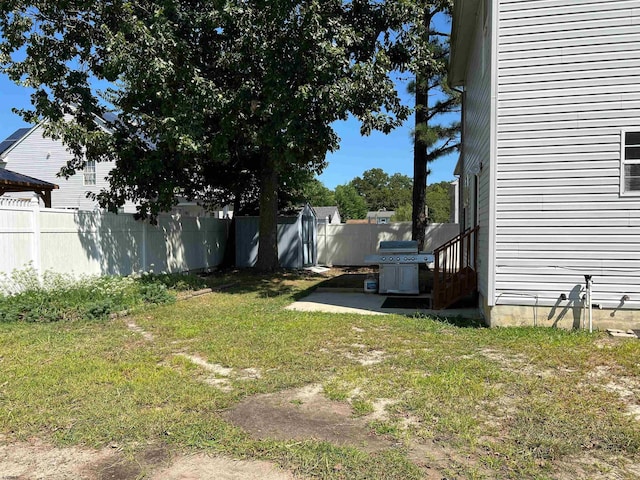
(367, 304)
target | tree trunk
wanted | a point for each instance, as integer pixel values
(268, 238)
(418, 217)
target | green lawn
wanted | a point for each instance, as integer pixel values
(501, 403)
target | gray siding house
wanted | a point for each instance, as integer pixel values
(380, 217)
(550, 164)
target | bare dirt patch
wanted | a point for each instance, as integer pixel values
(366, 358)
(303, 414)
(221, 375)
(588, 468)
(36, 460)
(134, 327)
(210, 367)
(518, 363)
(433, 459)
(626, 388)
(204, 467)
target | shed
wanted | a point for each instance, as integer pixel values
(297, 239)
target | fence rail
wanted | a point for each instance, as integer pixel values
(347, 244)
(15, 202)
(82, 242)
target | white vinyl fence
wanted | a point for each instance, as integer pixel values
(348, 244)
(97, 243)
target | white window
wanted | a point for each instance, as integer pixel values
(630, 165)
(89, 172)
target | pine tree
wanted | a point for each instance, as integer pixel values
(437, 106)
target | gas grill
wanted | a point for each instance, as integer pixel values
(399, 261)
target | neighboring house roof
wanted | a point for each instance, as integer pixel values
(381, 214)
(325, 212)
(13, 139)
(357, 221)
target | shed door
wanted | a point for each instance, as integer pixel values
(308, 245)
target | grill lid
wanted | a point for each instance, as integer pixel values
(399, 246)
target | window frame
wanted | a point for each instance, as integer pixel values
(87, 174)
(624, 162)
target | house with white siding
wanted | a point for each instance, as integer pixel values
(29, 152)
(550, 164)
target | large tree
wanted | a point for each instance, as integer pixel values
(439, 202)
(350, 204)
(214, 98)
(382, 191)
(425, 41)
(317, 194)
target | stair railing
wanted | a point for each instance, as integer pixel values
(455, 269)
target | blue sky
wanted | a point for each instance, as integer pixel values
(393, 153)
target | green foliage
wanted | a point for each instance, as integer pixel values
(403, 213)
(317, 195)
(350, 204)
(437, 105)
(98, 310)
(155, 293)
(173, 281)
(382, 191)
(219, 101)
(63, 297)
(439, 202)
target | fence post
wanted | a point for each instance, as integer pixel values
(97, 218)
(202, 223)
(144, 245)
(325, 256)
(36, 244)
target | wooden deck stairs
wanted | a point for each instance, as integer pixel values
(455, 271)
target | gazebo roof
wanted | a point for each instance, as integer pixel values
(16, 182)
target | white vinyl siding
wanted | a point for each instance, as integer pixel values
(477, 138)
(42, 158)
(568, 84)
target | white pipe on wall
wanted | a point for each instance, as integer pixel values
(589, 281)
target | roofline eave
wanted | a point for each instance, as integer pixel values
(464, 16)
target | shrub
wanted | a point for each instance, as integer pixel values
(156, 293)
(26, 297)
(175, 281)
(99, 310)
